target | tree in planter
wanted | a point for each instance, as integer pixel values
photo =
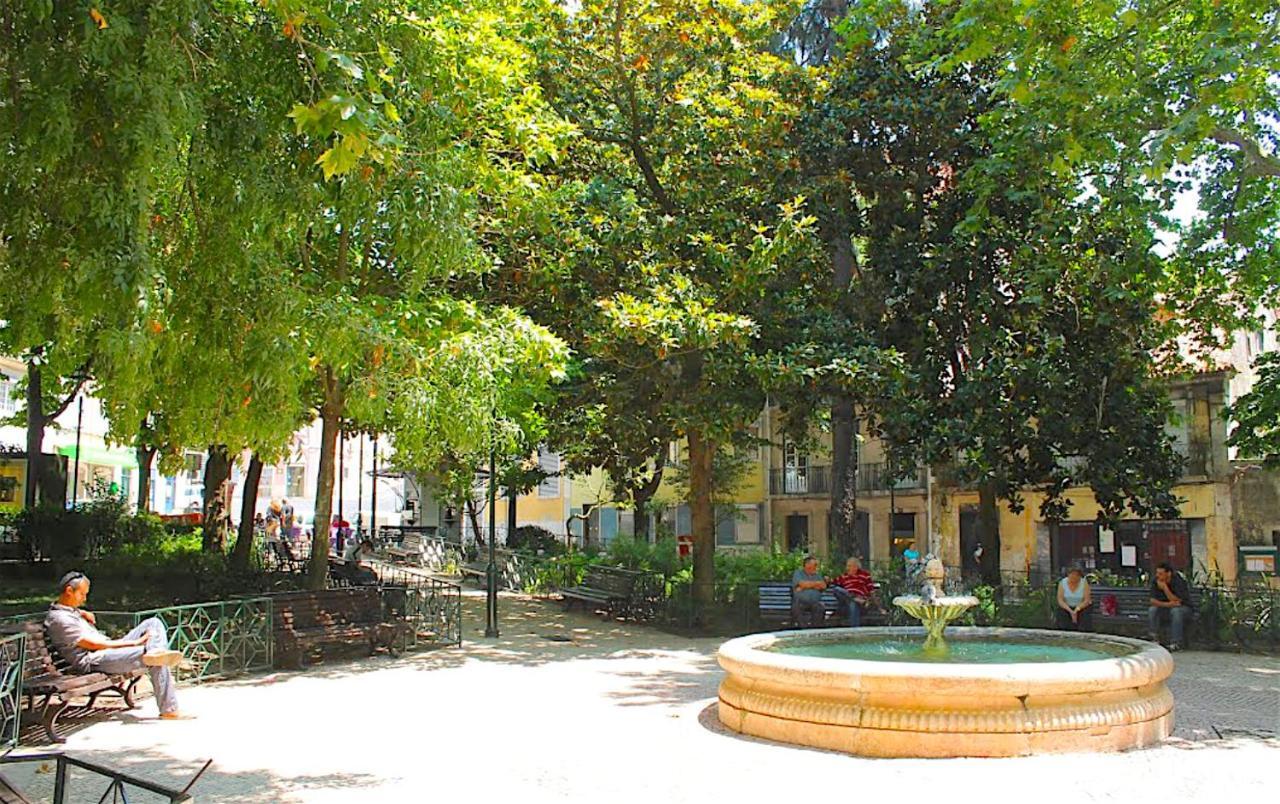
(683, 113)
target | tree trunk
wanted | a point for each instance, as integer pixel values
(243, 551)
(642, 495)
(216, 517)
(330, 416)
(146, 457)
(989, 533)
(475, 522)
(35, 435)
(701, 455)
(843, 516)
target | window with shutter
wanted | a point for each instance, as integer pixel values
(549, 463)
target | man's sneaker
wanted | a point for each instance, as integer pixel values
(1174, 646)
(162, 658)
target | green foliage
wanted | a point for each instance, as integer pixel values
(1176, 99)
(1257, 414)
(535, 540)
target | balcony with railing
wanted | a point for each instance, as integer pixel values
(815, 481)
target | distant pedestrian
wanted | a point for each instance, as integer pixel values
(287, 518)
(273, 522)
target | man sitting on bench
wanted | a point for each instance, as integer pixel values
(359, 575)
(1170, 596)
(853, 590)
(806, 595)
(75, 636)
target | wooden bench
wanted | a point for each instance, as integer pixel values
(307, 624)
(409, 550)
(283, 557)
(478, 570)
(613, 590)
(1131, 606)
(775, 606)
(343, 574)
(48, 676)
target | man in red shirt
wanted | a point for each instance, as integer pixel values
(853, 590)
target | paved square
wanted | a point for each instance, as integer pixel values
(568, 707)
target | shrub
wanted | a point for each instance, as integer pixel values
(535, 540)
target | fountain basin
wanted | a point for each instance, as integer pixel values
(1076, 693)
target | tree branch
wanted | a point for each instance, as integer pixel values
(81, 376)
(1256, 163)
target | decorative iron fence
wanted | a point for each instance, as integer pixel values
(13, 653)
(119, 784)
(431, 607)
(219, 639)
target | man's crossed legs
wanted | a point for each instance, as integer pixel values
(155, 656)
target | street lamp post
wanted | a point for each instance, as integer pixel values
(491, 573)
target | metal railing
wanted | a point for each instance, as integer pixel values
(220, 639)
(815, 480)
(431, 607)
(13, 654)
(118, 783)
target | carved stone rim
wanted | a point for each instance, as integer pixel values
(748, 657)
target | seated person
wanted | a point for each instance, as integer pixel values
(73, 633)
(1075, 603)
(806, 595)
(853, 590)
(354, 554)
(1170, 599)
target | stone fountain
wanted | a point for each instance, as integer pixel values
(905, 692)
(933, 607)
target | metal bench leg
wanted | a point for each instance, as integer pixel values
(127, 693)
(50, 721)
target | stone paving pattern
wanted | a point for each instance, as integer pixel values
(569, 707)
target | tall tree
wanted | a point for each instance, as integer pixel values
(683, 111)
(94, 105)
(1004, 287)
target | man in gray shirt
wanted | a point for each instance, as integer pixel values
(806, 595)
(74, 634)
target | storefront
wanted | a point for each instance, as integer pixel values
(1132, 548)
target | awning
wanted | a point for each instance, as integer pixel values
(101, 456)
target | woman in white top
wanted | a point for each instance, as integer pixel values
(1075, 604)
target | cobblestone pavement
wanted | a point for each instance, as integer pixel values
(567, 707)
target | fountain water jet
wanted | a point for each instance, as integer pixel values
(933, 607)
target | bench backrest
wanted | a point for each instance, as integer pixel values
(612, 579)
(1133, 601)
(41, 658)
(412, 542)
(283, 551)
(776, 597)
(329, 607)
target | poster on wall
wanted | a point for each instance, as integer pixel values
(13, 481)
(1128, 555)
(1106, 540)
